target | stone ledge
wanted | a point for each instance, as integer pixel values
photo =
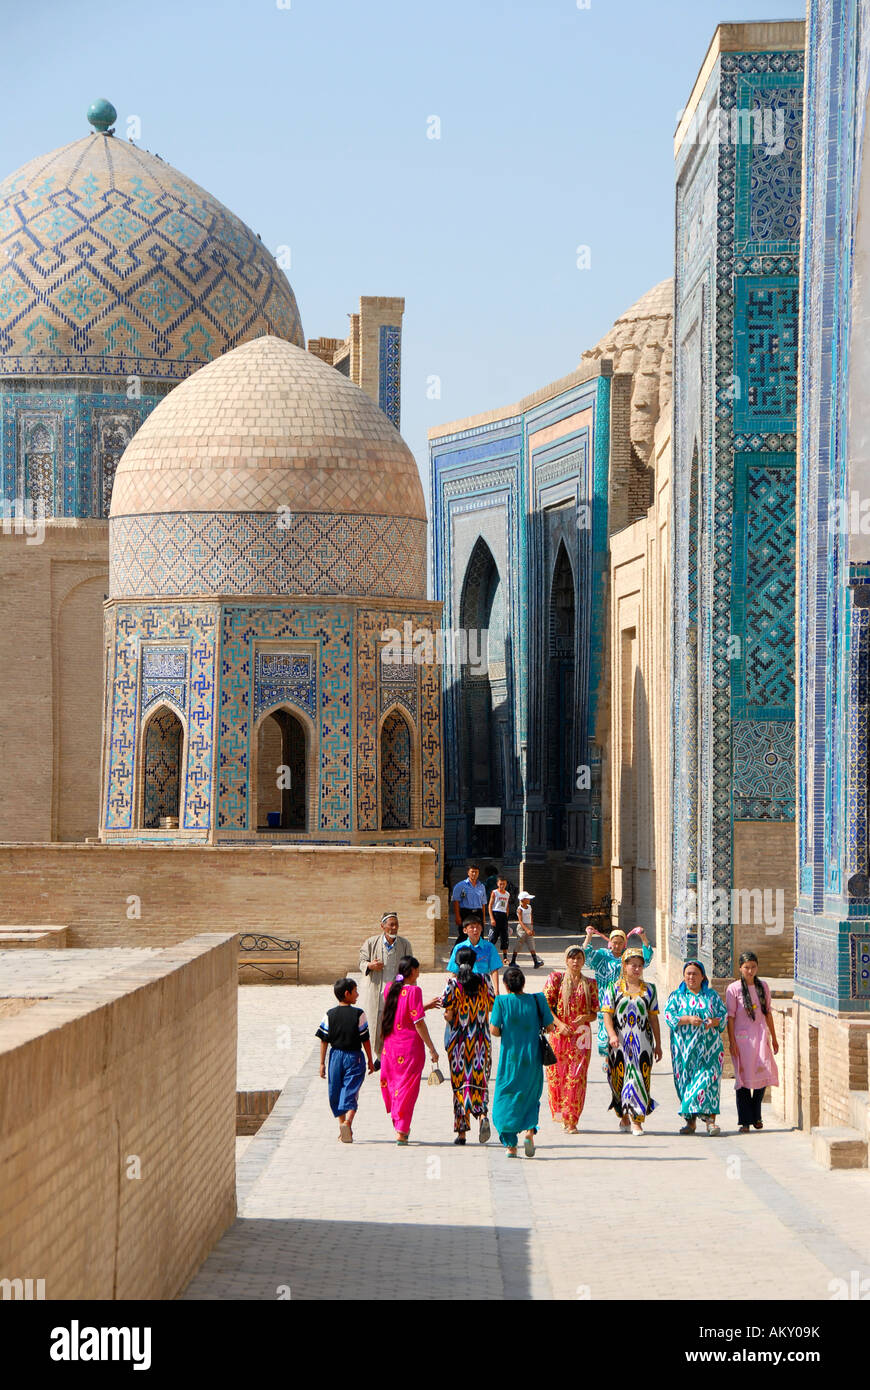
(839, 1147)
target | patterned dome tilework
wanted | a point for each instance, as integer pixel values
(264, 427)
(113, 261)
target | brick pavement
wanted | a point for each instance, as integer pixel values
(738, 1216)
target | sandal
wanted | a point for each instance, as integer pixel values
(460, 1139)
(688, 1128)
(403, 1141)
(511, 1153)
(759, 1124)
(345, 1133)
(529, 1146)
(712, 1127)
(744, 1129)
(485, 1132)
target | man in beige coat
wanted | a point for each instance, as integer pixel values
(379, 962)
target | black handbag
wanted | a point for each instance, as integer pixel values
(548, 1056)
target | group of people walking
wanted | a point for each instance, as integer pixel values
(544, 1034)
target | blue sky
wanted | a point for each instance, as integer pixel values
(311, 121)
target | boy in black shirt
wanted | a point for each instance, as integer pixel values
(345, 1031)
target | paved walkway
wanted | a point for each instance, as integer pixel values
(733, 1217)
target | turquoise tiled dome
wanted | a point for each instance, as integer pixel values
(111, 261)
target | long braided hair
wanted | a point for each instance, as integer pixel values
(759, 985)
(471, 983)
(391, 1003)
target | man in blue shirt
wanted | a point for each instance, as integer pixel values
(469, 899)
(488, 959)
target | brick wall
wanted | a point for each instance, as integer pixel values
(331, 897)
(51, 680)
(764, 858)
(140, 1066)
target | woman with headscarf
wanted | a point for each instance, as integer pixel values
(518, 1019)
(573, 1001)
(752, 1041)
(406, 1038)
(631, 1016)
(696, 1017)
(606, 963)
(467, 1002)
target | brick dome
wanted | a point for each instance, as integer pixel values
(267, 472)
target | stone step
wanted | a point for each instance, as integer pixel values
(47, 938)
(839, 1147)
(859, 1112)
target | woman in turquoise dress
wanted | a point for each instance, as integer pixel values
(631, 1017)
(517, 1019)
(696, 1017)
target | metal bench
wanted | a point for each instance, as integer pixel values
(597, 914)
(259, 951)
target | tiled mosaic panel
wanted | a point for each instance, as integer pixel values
(164, 737)
(766, 354)
(369, 646)
(315, 553)
(859, 966)
(764, 773)
(164, 676)
(745, 270)
(113, 261)
(172, 625)
(285, 677)
(395, 773)
(243, 627)
(857, 836)
(70, 440)
(389, 372)
(769, 165)
(769, 621)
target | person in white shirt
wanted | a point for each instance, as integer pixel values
(525, 930)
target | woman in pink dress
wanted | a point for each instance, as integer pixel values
(404, 1053)
(752, 1041)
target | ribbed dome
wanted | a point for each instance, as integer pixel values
(268, 425)
(113, 261)
(641, 342)
(267, 473)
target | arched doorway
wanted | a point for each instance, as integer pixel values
(161, 792)
(561, 620)
(485, 738)
(396, 811)
(282, 800)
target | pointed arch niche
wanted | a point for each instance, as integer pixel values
(162, 768)
(397, 764)
(561, 668)
(485, 738)
(283, 780)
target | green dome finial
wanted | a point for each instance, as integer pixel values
(102, 116)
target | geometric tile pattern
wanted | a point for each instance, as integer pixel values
(284, 676)
(762, 676)
(389, 372)
(114, 262)
(765, 353)
(174, 625)
(197, 553)
(370, 699)
(764, 765)
(767, 206)
(395, 773)
(329, 631)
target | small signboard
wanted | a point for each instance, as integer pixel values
(487, 815)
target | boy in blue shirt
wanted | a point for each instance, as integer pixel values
(488, 959)
(344, 1030)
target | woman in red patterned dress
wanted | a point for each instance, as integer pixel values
(573, 1001)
